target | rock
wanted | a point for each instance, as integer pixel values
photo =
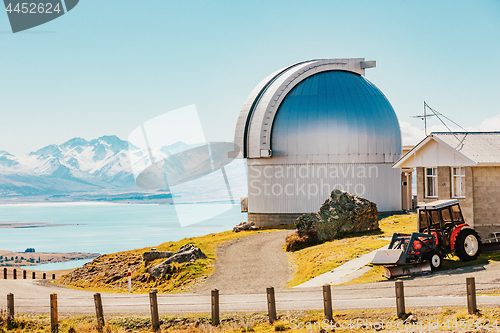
(411, 319)
(153, 255)
(187, 253)
(160, 270)
(243, 226)
(342, 212)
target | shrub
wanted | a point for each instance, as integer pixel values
(300, 240)
(280, 327)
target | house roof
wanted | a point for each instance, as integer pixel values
(454, 149)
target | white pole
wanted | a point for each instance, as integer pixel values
(129, 273)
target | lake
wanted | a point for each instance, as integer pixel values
(105, 228)
(53, 266)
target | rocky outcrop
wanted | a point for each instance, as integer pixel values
(153, 255)
(342, 212)
(187, 253)
(160, 270)
(244, 226)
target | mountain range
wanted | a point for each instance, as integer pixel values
(96, 168)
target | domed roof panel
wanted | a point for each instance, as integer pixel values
(337, 117)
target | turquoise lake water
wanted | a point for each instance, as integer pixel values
(58, 265)
(104, 228)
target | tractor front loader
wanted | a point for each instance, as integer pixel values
(442, 231)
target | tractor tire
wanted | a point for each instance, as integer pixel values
(436, 261)
(467, 245)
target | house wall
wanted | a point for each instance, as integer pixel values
(486, 193)
(444, 190)
(481, 205)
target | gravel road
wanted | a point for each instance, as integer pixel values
(250, 265)
(244, 268)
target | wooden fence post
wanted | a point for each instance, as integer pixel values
(53, 313)
(400, 299)
(14, 274)
(153, 302)
(10, 306)
(24, 275)
(327, 301)
(471, 295)
(33, 275)
(215, 307)
(98, 311)
(5, 273)
(53, 276)
(44, 276)
(271, 305)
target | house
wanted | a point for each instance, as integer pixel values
(463, 166)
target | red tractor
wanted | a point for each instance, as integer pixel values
(442, 231)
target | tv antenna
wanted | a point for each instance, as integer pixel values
(436, 114)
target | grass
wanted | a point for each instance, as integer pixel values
(108, 270)
(442, 319)
(408, 225)
(307, 263)
(316, 260)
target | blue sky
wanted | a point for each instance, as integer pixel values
(108, 66)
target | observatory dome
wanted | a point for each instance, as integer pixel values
(312, 127)
(336, 117)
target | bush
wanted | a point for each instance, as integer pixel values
(300, 240)
(280, 327)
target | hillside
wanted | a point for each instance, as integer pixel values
(109, 272)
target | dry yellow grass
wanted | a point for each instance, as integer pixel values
(316, 260)
(184, 275)
(448, 319)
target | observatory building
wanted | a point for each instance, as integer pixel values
(313, 127)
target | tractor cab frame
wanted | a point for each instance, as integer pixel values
(441, 231)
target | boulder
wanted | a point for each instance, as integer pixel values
(342, 212)
(187, 253)
(160, 270)
(411, 319)
(244, 226)
(153, 255)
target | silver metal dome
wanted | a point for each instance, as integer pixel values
(313, 127)
(335, 117)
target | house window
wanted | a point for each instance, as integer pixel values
(458, 182)
(431, 182)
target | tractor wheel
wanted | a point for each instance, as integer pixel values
(467, 244)
(436, 261)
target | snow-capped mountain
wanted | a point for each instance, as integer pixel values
(77, 165)
(104, 166)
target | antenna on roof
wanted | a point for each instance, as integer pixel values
(424, 117)
(437, 114)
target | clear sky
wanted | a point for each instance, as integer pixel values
(108, 66)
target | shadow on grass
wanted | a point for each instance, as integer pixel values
(453, 265)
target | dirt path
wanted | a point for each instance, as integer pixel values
(250, 265)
